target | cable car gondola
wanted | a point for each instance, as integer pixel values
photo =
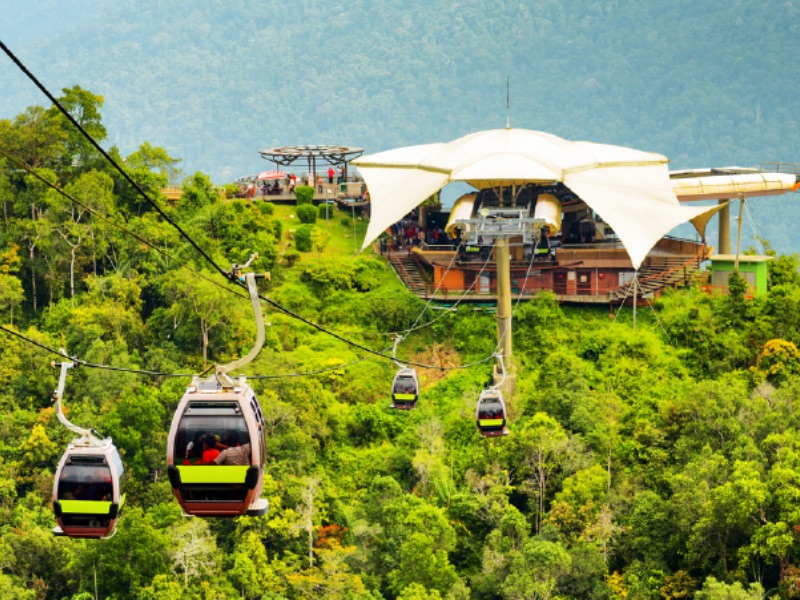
(405, 386)
(213, 414)
(405, 389)
(89, 485)
(490, 414)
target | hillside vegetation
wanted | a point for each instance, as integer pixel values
(657, 463)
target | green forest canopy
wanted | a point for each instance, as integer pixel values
(660, 463)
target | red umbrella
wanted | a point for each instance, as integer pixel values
(271, 175)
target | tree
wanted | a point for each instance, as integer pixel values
(543, 447)
(319, 239)
(307, 213)
(152, 168)
(302, 238)
(198, 192)
(308, 512)
(84, 107)
(192, 553)
(304, 195)
(199, 304)
(11, 295)
(128, 561)
(74, 223)
(535, 571)
(717, 590)
(423, 562)
(778, 361)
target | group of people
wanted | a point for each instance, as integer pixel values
(267, 190)
(338, 173)
(407, 233)
(93, 486)
(208, 449)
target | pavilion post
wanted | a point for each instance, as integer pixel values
(724, 228)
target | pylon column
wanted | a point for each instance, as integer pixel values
(502, 259)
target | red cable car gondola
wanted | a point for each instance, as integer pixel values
(89, 484)
(212, 413)
(220, 413)
(88, 490)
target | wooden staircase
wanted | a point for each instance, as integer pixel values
(659, 272)
(409, 272)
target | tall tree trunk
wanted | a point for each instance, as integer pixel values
(33, 275)
(204, 329)
(72, 274)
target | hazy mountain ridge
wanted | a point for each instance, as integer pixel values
(707, 84)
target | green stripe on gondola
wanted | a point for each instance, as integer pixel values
(213, 473)
(403, 396)
(85, 507)
(490, 422)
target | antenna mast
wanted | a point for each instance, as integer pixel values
(508, 103)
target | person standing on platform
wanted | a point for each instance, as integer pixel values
(330, 174)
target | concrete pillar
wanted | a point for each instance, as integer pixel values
(724, 246)
(503, 266)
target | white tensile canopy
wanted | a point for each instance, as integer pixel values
(629, 189)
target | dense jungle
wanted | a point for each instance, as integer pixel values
(655, 462)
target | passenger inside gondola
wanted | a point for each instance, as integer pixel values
(210, 450)
(405, 385)
(491, 409)
(85, 482)
(196, 445)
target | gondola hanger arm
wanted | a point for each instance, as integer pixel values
(255, 302)
(499, 356)
(397, 340)
(87, 438)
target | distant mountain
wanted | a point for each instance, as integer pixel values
(707, 83)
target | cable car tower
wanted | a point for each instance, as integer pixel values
(217, 442)
(496, 225)
(88, 489)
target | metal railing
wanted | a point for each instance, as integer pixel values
(780, 167)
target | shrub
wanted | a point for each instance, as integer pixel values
(277, 228)
(325, 211)
(307, 213)
(230, 189)
(304, 194)
(326, 275)
(302, 237)
(266, 208)
(291, 256)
